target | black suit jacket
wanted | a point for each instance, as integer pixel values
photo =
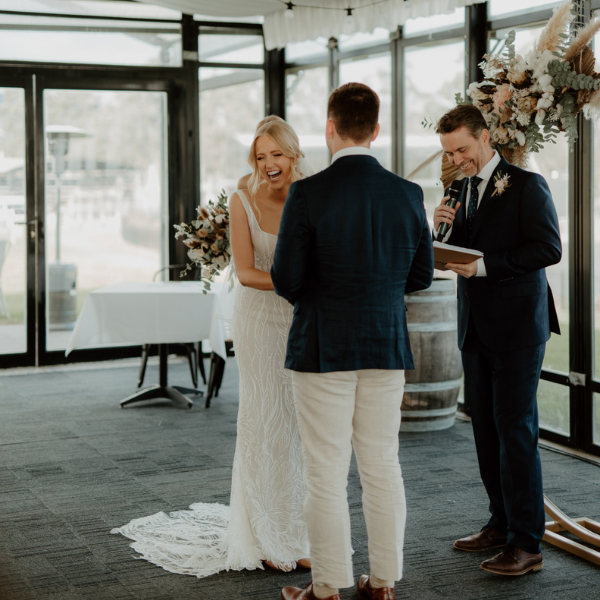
(518, 233)
(353, 239)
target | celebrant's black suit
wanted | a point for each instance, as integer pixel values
(504, 321)
(353, 240)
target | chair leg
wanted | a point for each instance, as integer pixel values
(219, 375)
(199, 352)
(191, 354)
(145, 353)
(215, 361)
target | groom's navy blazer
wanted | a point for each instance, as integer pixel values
(512, 307)
(353, 239)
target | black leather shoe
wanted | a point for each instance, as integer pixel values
(484, 540)
(513, 561)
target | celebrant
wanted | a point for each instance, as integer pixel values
(505, 316)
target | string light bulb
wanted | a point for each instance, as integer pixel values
(289, 13)
(349, 16)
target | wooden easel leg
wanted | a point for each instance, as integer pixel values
(583, 528)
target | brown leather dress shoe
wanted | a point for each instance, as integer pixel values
(484, 540)
(294, 593)
(366, 592)
(513, 561)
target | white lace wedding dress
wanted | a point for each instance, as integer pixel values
(265, 519)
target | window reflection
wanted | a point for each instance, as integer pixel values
(88, 41)
(231, 48)
(504, 7)
(306, 111)
(105, 197)
(433, 75)
(552, 162)
(12, 215)
(232, 103)
(596, 238)
(376, 72)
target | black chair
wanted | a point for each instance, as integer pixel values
(193, 351)
(217, 369)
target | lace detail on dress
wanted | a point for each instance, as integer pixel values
(265, 520)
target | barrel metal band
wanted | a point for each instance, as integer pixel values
(433, 386)
(437, 412)
(432, 327)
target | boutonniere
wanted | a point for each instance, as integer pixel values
(501, 183)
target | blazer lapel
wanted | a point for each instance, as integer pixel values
(487, 200)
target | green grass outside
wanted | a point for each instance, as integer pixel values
(15, 303)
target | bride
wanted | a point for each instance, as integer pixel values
(265, 521)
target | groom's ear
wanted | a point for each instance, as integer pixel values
(330, 129)
(376, 133)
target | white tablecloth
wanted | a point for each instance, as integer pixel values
(162, 312)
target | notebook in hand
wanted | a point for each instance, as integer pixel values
(445, 253)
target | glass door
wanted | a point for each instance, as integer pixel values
(17, 230)
(104, 198)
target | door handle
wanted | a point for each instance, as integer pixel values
(33, 234)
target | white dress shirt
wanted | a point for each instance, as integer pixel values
(351, 151)
(485, 175)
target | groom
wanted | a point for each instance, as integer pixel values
(353, 240)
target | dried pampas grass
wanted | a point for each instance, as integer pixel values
(450, 172)
(424, 164)
(550, 37)
(581, 41)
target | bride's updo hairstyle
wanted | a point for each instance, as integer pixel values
(286, 140)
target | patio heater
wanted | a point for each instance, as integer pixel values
(62, 276)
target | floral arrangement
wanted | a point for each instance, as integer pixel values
(527, 100)
(207, 238)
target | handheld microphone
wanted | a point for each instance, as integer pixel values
(457, 191)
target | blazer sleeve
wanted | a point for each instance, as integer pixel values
(420, 275)
(539, 229)
(293, 245)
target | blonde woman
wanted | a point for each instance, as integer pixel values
(265, 522)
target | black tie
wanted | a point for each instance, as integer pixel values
(474, 199)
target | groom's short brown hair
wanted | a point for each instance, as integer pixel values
(354, 108)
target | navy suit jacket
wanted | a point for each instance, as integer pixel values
(353, 239)
(518, 233)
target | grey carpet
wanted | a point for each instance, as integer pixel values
(73, 465)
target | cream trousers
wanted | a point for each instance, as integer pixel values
(337, 412)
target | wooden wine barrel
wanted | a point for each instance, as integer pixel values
(431, 391)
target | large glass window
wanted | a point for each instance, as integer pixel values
(229, 48)
(232, 103)
(596, 238)
(427, 25)
(376, 72)
(68, 40)
(105, 202)
(306, 112)
(498, 8)
(88, 8)
(433, 75)
(13, 231)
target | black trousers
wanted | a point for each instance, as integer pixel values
(501, 388)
